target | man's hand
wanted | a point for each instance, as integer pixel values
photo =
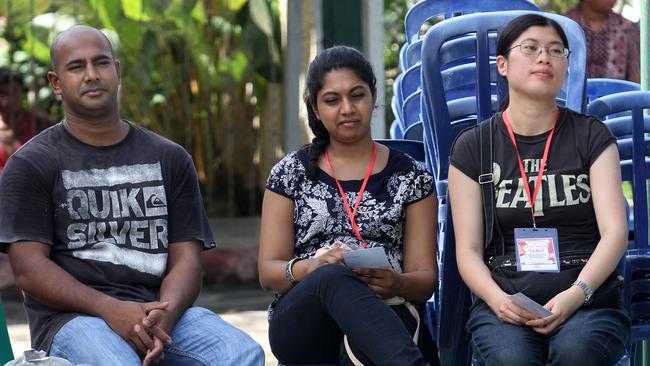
(157, 324)
(125, 318)
(384, 282)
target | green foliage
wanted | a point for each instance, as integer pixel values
(191, 70)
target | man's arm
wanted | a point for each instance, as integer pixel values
(182, 284)
(48, 283)
(179, 289)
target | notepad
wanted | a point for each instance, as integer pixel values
(367, 258)
(531, 306)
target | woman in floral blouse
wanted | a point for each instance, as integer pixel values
(344, 192)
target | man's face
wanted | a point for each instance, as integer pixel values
(86, 76)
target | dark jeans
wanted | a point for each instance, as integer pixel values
(593, 336)
(309, 321)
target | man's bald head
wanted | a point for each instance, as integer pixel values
(69, 35)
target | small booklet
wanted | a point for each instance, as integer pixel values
(367, 258)
(530, 305)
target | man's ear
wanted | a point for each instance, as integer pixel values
(117, 69)
(502, 65)
(53, 78)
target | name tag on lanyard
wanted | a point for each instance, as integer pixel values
(537, 249)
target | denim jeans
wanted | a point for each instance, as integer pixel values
(309, 321)
(592, 336)
(199, 338)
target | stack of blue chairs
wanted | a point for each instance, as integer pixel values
(410, 53)
(623, 112)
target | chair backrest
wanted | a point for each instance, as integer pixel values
(6, 353)
(402, 57)
(409, 82)
(421, 12)
(437, 53)
(411, 109)
(396, 131)
(413, 51)
(414, 132)
(633, 147)
(599, 87)
(454, 299)
(414, 149)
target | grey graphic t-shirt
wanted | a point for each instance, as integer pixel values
(109, 213)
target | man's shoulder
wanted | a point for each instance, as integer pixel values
(155, 140)
(43, 145)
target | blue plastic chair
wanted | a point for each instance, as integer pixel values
(425, 10)
(634, 148)
(413, 51)
(414, 149)
(402, 57)
(411, 109)
(6, 353)
(409, 83)
(396, 131)
(437, 52)
(415, 132)
(599, 87)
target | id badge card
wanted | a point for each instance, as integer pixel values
(537, 250)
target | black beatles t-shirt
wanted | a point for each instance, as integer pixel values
(109, 213)
(564, 198)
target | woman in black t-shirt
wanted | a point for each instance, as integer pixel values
(340, 193)
(559, 237)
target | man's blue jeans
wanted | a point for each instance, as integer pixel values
(592, 336)
(200, 337)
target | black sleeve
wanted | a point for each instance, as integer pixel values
(465, 154)
(26, 211)
(188, 220)
(599, 138)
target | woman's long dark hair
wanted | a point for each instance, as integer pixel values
(338, 57)
(515, 28)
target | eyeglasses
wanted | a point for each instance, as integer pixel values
(535, 49)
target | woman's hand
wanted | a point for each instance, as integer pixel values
(330, 256)
(563, 305)
(384, 282)
(507, 310)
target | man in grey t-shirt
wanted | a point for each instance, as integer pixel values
(104, 226)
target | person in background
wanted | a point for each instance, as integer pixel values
(613, 42)
(25, 123)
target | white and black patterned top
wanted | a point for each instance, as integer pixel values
(320, 217)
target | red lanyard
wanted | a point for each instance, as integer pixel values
(538, 183)
(350, 212)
